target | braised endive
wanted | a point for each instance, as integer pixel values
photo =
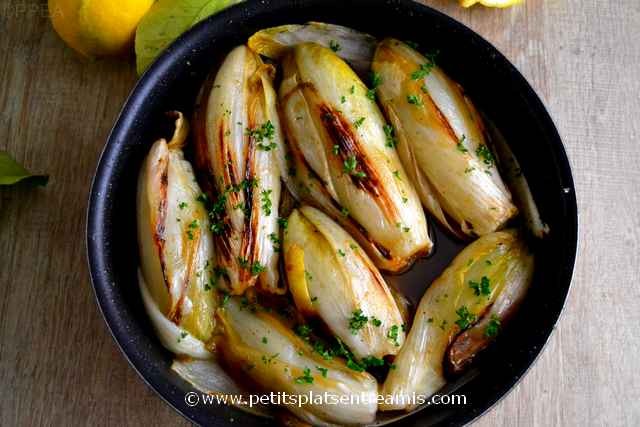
(496, 264)
(176, 248)
(259, 345)
(331, 277)
(441, 141)
(353, 46)
(239, 150)
(343, 160)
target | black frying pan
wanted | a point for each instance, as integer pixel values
(497, 88)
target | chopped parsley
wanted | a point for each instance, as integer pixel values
(225, 299)
(267, 147)
(359, 122)
(392, 334)
(259, 134)
(350, 166)
(323, 371)
(343, 99)
(357, 321)
(192, 226)
(354, 366)
(403, 228)
(183, 335)
(264, 340)
(306, 377)
(283, 222)
(375, 321)
(336, 149)
(303, 331)
(376, 80)
(308, 275)
(372, 361)
(276, 242)
(493, 327)
(341, 252)
(341, 350)
(485, 155)
(344, 211)
(390, 134)
(334, 45)
(182, 205)
(414, 100)
(460, 145)
(266, 201)
(425, 68)
(482, 288)
(217, 209)
(320, 348)
(267, 360)
(254, 268)
(465, 318)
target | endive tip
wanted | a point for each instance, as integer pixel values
(172, 337)
(180, 132)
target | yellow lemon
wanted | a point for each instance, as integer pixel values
(97, 27)
(490, 3)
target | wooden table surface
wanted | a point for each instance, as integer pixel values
(58, 362)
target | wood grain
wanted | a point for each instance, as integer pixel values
(58, 363)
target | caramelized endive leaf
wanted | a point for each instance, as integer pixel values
(353, 46)
(441, 141)
(341, 284)
(176, 248)
(495, 263)
(263, 349)
(342, 161)
(239, 147)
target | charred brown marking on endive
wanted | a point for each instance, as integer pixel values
(443, 142)
(237, 139)
(340, 161)
(176, 248)
(343, 134)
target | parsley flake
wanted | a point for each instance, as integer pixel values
(414, 100)
(334, 45)
(306, 377)
(357, 321)
(465, 318)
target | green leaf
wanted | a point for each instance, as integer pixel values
(166, 21)
(12, 172)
